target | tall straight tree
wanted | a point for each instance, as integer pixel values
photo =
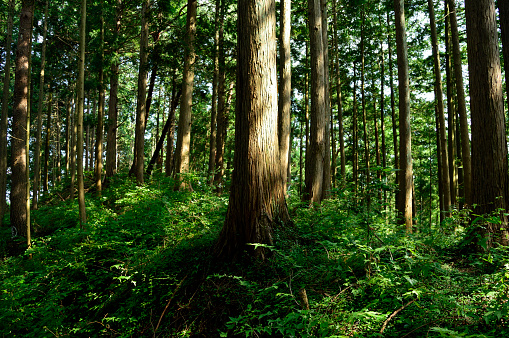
(405, 145)
(100, 112)
(141, 107)
(503, 10)
(257, 196)
(490, 186)
(19, 184)
(182, 151)
(285, 89)
(316, 154)
(439, 104)
(5, 112)
(111, 146)
(462, 107)
(79, 116)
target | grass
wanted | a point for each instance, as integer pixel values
(143, 268)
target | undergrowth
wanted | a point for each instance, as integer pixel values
(142, 267)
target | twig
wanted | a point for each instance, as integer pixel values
(394, 315)
(168, 304)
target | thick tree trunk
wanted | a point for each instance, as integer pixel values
(285, 89)
(182, 153)
(489, 149)
(5, 113)
(462, 107)
(141, 107)
(19, 183)
(257, 197)
(405, 146)
(79, 117)
(439, 104)
(316, 155)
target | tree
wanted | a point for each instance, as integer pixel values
(489, 150)
(19, 209)
(503, 9)
(5, 112)
(81, 105)
(184, 125)
(439, 103)
(257, 198)
(405, 149)
(100, 112)
(141, 107)
(285, 89)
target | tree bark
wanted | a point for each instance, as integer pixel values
(285, 90)
(489, 150)
(182, 153)
(100, 114)
(5, 113)
(462, 107)
(316, 154)
(439, 104)
(256, 198)
(405, 146)
(141, 106)
(79, 118)
(19, 182)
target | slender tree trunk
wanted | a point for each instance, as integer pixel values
(5, 113)
(341, 132)
(405, 148)
(327, 163)
(355, 133)
(111, 147)
(184, 127)
(141, 108)
(439, 104)
(222, 128)
(316, 154)
(213, 110)
(100, 115)
(256, 197)
(37, 152)
(79, 118)
(58, 156)
(503, 13)
(363, 103)
(285, 89)
(74, 135)
(171, 132)
(45, 175)
(462, 108)
(68, 138)
(19, 183)
(490, 188)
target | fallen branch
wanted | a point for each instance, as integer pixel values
(394, 315)
(168, 304)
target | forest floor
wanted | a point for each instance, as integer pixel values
(142, 267)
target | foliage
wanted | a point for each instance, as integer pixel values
(142, 267)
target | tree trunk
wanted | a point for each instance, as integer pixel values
(503, 12)
(139, 143)
(100, 115)
(363, 103)
(489, 150)
(257, 197)
(355, 133)
(316, 155)
(19, 182)
(439, 104)
(58, 156)
(222, 129)
(5, 113)
(79, 118)
(184, 127)
(285, 89)
(45, 173)
(326, 83)
(169, 165)
(462, 108)
(74, 134)
(405, 149)
(68, 138)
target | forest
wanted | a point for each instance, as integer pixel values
(254, 168)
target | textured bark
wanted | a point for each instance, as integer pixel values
(139, 144)
(462, 107)
(111, 147)
(316, 154)
(285, 89)
(405, 148)
(100, 116)
(489, 150)
(326, 88)
(439, 104)
(213, 110)
(257, 199)
(79, 117)
(182, 152)
(5, 112)
(19, 210)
